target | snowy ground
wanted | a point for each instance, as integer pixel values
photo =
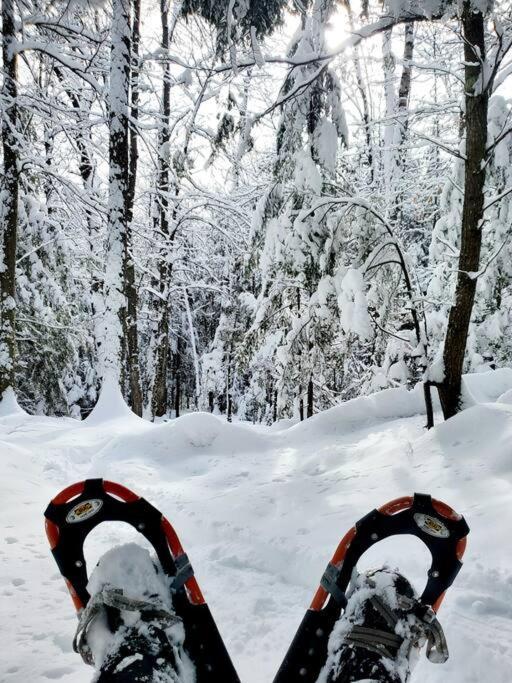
(260, 512)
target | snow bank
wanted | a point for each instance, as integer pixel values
(110, 406)
(9, 404)
(193, 435)
(486, 387)
(480, 435)
(383, 405)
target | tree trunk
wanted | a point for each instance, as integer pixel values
(114, 291)
(160, 393)
(10, 187)
(195, 357)
(130, 323)
(159, 397)
(301, 405)
(364, 99)
(309, 411)
(177, 384)
(476, 101)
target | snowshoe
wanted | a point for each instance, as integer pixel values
(372, 631)
(144, 624)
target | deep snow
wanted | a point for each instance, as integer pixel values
(260, 511)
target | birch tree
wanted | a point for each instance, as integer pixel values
(111, 346)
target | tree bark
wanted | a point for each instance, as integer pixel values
(309, 411)
(476, 101)
(177, 383)
(159, 396)
(130, 322)
(111, 346)
(10, 187)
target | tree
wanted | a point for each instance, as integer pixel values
(476, 97)
(111, 346)
(9, 199)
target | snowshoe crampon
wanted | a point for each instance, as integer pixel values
(380, 620)
(73, 514)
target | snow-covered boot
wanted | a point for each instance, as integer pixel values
(382, 631)
(129, 630)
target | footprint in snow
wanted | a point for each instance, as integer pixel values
(58, 672)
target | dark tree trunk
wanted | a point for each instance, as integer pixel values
(10, 187)
(476, 101)
(274, 412)
(177, 384)
(301, 405)
(427, 393)
(130, 323)
(159, 397)
(160, 394)
(309, 411)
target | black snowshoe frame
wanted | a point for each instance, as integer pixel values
(440, 528)
(80, 508)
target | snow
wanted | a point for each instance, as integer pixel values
(142, 579)
(260, 512)
(110, 406)
(9, 405)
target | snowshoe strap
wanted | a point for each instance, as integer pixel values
(184, 572)
(374, 639)
(329, 583)
(114, 598)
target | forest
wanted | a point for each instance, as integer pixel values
(259, 208)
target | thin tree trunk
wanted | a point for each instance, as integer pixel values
(10, 187)
(177, 374)
(195, 357)
(130, 323)
(229, 404)
(397, 168)
(476, 101)
(309, 411)
(364, 99)
(159, 396)
(111, 347)
(168, 229)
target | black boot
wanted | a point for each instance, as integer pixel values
(381, 632)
